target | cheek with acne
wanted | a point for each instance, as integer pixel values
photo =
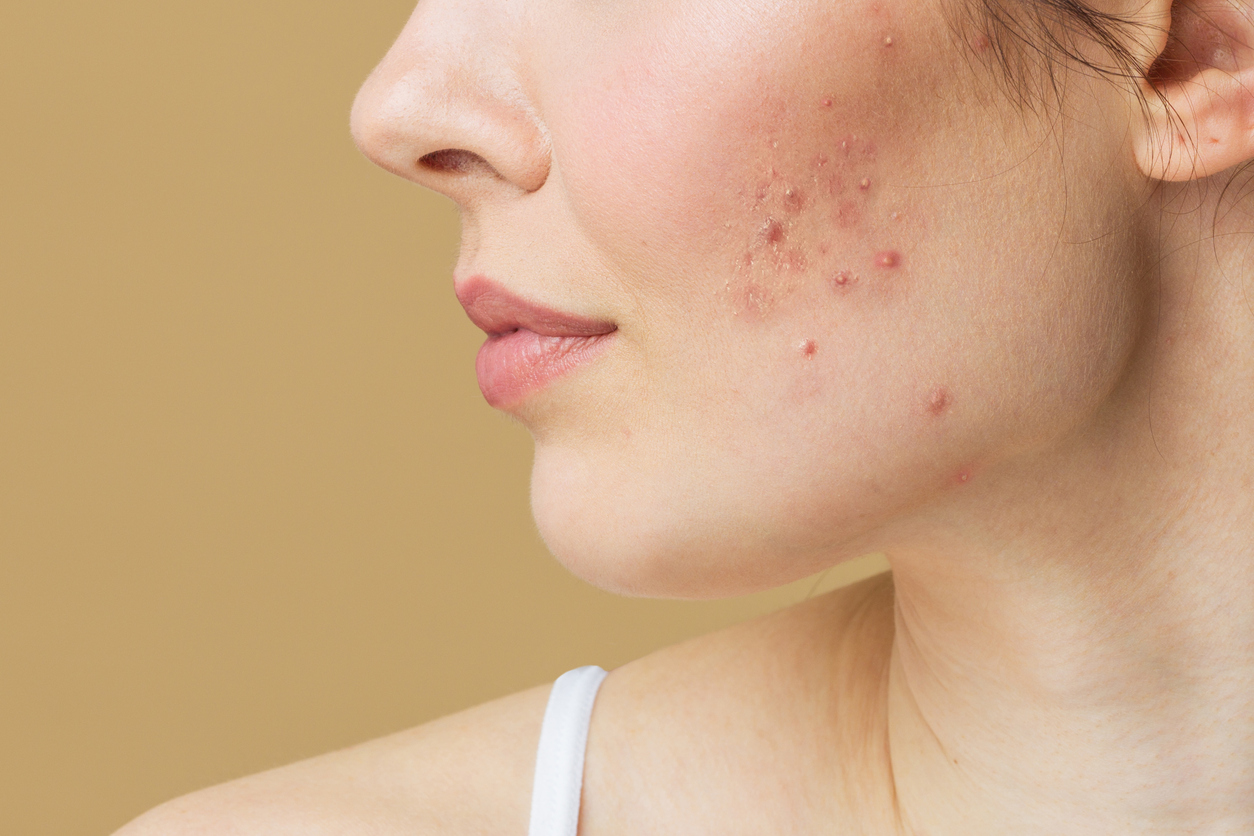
(806, 217)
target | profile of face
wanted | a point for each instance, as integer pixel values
(831, 281)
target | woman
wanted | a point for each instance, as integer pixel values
(774, 285)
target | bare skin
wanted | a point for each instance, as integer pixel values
(1067, 642)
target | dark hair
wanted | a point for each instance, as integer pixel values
(1027, 42)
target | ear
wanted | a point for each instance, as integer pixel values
(1200, 92)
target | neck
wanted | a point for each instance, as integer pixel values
(1074, 646)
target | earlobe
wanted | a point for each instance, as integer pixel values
(1200, 115)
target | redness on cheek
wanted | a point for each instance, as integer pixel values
(773, 232)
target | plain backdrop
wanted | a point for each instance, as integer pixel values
(252, 505)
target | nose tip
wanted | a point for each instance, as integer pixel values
(439, 112)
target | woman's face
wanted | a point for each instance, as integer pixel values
(848, 280)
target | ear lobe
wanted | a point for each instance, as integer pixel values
(1200, 115)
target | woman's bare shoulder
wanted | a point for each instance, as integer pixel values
(468, 773)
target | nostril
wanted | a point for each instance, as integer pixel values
(456, 161)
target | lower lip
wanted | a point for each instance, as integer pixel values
(512, 366)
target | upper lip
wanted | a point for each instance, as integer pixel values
(497, 311)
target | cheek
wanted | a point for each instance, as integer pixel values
(738, 182)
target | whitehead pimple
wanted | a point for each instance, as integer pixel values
(888, 259)
(843, 280)
(826, 103)
(888, 41)
(865, 185)
(794, 201)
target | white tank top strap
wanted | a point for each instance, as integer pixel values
(559, 760)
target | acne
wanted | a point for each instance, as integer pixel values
(843, 280)
(773, 232)
(807, 349)
(980, 43)
(939, 402)
(888, 41)
(888, 259)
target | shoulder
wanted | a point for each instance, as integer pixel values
(753, 729)
(683, 732)
(468, 773)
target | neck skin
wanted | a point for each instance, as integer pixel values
(1074, 647)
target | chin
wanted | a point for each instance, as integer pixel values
(644, 538)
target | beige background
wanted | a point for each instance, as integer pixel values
(252, 506)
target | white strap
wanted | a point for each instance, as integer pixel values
(559, 760)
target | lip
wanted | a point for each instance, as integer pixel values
(528, 345)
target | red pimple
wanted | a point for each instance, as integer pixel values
(773, 231)
(865, 184)
(962, 476)
(939, 402)
(794, 200)
(980, 42)
(808, 349)
(888, 258)
(827, 103)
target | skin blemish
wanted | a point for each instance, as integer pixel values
(888, 259)
(896, 216)
(820, 160)
(807, 349)
(962, 476)
(939, 402)
(888, 41)
(827, 103)
(794, 201)
(865, 185)
(980, 43)
(843, 280)
(773, 231)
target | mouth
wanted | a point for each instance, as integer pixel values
(528, 345)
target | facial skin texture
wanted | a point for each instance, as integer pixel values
(724, 197)
(864, 303)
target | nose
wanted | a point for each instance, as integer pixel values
(447, 108)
